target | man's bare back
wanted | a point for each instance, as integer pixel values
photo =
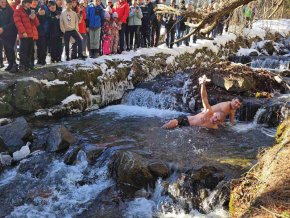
(208, 118)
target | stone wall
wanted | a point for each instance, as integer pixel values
(78, 86)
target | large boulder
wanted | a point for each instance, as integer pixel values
(5, 109)
(15, 135)
(132, 169)
(195, 185)
(59, 138)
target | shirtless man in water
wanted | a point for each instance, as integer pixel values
(208, 118)
(229, 107)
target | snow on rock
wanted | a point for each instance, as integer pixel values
(247, 52)
(53, 82)
(22, 153)
(5, 160)
(71, 98)
(281, 26)
(170, 60)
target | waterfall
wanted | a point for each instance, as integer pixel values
(149, 99)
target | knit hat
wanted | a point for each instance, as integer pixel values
(107, 15)
(115, 15)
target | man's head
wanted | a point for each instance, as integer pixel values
(68, 4)
(58, 3)
(3, 3)
(74, 3)
(236, 103)
(217, 118)
(97, 2)
(26, 3)
(34, 3)
(52, 6)
(147, 1)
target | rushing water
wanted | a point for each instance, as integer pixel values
(60, 190)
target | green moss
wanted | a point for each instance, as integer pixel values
(232, 209)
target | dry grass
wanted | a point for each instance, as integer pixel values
(265, 190)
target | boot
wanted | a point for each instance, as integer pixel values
(92, 52)
(96, 53)
(9, 67)
(14, 68)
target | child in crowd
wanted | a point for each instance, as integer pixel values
(26, 23)
(55, 34)
(95, 16)
(106, 28)
(115, 27)
(69, 25)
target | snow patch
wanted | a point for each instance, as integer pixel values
(71, 98)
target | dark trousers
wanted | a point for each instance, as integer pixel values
(146, 34)
(26, 51)
(9, 44)
(75, 35)
(1, 52)
(170, 37)
(155, 34)
(134, 33)
(127, 36)
(41, 44)
(56, 48)
(122, 36)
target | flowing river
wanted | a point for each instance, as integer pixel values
(50, 188)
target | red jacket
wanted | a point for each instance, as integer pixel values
(122, 10)
(82, 24)
(24, 24)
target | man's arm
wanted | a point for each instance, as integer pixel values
(204, 97)
(232, 116)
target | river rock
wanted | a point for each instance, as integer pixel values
(22, 153)
(37, 164)
(59, 138)
(5, 159)
(71, 154)
(195, 185)
(234, 83)
(131, 169)
(15, 135)
(5, 109)
(159, 169)
(108, 204)
(92, 151)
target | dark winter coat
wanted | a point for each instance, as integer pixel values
(54, 25)
(7, 23)
(24, 24)
(43, 20)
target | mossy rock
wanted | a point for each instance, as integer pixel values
(5, 109)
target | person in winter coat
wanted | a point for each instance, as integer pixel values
(55, 35)
(115, 28)
(170, 30)
(135, 22)
(82, 25)
(69, 25)
(156, 28)
(8, 34)
(26, 23)
(181, 27)
(106, 35)
(41, 12)
(95, 17)
(82, 29)
(122, 8)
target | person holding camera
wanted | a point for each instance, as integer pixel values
(135, 22)
(26, 23)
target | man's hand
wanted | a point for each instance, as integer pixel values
(1, 30)
(203, 79)
(25, 35)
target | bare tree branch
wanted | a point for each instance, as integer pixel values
(276, 9)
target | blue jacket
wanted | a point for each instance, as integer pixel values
(95, 16)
